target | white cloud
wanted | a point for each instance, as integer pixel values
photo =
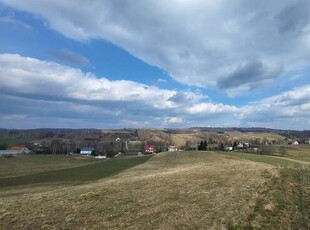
(14, 117)
(288, 110)
(236, 46)
(30, 76)
(210, 108)
(38, 88)
(10, 21)
(161, 80)
(68, 56)
(173, 120)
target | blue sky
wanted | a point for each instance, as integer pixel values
(117, 64)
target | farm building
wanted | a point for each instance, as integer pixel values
(295, 143)
(86, 150)
(148, 149)
(172, 148)
(18, 148)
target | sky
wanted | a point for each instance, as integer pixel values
(147, 63)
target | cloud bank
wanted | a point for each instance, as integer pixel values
(36, 93)
(31, 87)
(235, 46)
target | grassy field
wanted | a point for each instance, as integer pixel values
(13, 140)
(276, 161)
(183, 190)
(72, 175)
(299, 152)
(253, 135)
(29, 164)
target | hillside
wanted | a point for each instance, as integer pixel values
(190, 190)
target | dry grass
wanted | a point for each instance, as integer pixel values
(180, 139)
(299, 152)
(189, 190)
(254, 135)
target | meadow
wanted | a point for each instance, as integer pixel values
(180, 190)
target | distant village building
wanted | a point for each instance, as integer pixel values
(172, 148)
(86, 150)
(148, 149)
(307, 142)
(193, 147)
(229, 148)
(295, 143)
(15, 150)
(255, 150)
(240, 146)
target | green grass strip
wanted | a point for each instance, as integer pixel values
(77, 175)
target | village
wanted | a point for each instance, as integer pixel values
(107, 144)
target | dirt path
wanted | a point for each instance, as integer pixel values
(293, 160)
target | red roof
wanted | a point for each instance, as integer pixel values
(149, 148)
(17, 147)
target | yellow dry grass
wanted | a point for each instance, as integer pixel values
(180, 139)
(255, 135)
(188, 190)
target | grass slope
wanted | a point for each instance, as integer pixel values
(30, 164)
(189, 190)
(284, 203)
(276, 161)
(78, 174)
(182, 190)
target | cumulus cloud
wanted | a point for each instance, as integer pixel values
(35, 88)
(173, 120)
(235, 46)
(290, 109)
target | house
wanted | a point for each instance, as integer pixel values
(15, 150)
(86, 150)
(118, 139)
(19, 148)
(148, 149)
(172, 148)
(307, 142)
(246, 145)
(240, 146)
(229, 148)
(295, 143)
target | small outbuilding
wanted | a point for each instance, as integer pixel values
(295, 143)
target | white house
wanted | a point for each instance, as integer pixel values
(240, 146)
